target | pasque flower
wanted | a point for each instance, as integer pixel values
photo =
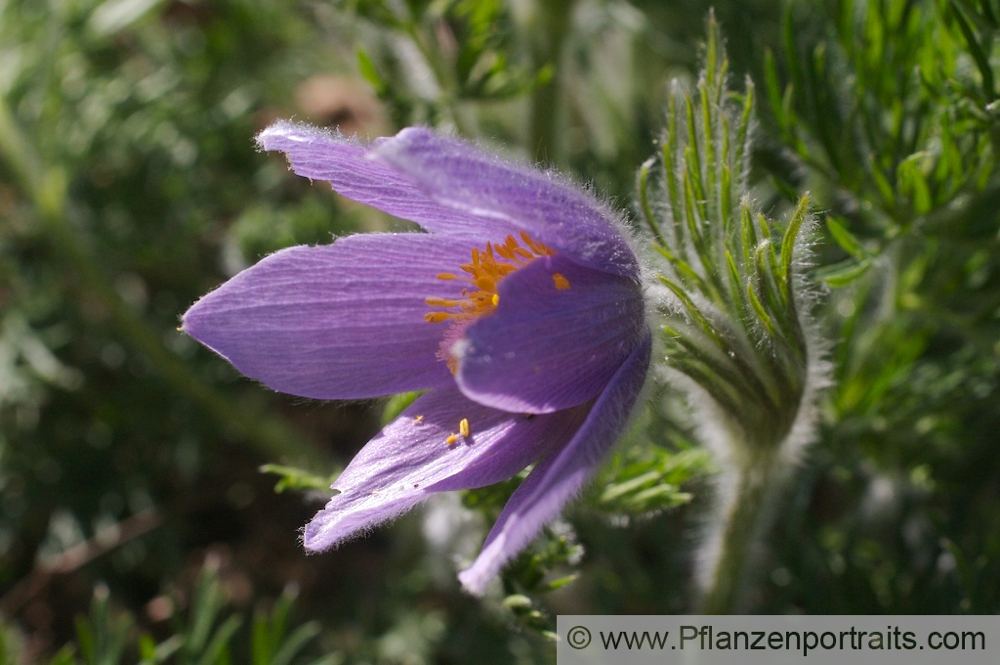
(520, 311)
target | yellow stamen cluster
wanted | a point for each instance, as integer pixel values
(463, 431)
(484, 272)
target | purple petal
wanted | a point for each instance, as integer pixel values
(340, 321)
(546, 348)
(504, 195)
(321, 155)
(411, 459)
(558, 478)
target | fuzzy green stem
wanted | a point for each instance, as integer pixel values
(746, 516)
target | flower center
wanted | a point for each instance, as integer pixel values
(480, 298)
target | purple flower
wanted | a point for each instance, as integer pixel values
(520, 311)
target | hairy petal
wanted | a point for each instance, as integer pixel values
(321, 155)
(547, 348)
(340, 321)
(411, 459)
(502, 195)
(558, 478)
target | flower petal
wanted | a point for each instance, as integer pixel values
(340, 321)
(410, 459)
(321, 155)
(558, 478)
(553, 342)
(480, 185)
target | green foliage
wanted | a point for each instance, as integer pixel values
(734, 323)
(899, 118)
(466, 46)
(645, 480)
(896, 135)
(102, 638)
(294, 478)
(210, 634)
(536, 573)
(734, 320)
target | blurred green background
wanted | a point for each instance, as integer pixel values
(135, 522)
